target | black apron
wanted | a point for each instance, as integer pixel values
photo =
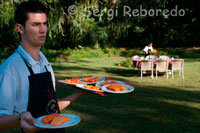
(42, 97)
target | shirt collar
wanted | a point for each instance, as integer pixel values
(30, 60)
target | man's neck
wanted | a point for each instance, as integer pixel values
(32, 51)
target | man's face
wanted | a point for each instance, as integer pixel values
(35, 29)
(150, 44)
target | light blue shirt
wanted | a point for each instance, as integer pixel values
(14, 83)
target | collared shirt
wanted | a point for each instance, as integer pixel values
(147, 48)
(14, 83)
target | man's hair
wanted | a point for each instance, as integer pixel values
(21, 13)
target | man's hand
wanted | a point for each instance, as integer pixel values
(27, 123)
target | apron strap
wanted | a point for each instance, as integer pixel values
(27, 64)
(46, 68)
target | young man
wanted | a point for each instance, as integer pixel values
(148, 49)
(27, 81)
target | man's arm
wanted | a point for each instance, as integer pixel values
(9, 121)
(12, 121)
(65, 102)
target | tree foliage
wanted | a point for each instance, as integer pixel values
(102, 22)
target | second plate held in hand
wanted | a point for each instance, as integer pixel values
(128, 89)
(65, 83)
(118, 82)
(82, 87)
(99, 80)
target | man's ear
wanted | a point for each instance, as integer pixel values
(19, 28)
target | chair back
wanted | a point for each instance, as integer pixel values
(136, 57)
(162, 65)
(150, 57)
(146, 65)
(177, 64)
(164, 57)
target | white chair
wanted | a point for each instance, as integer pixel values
(177, 64)
(150, 57)
(146, 66)
(162, 67)
(164, 57)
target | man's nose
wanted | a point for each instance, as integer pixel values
(43, 28)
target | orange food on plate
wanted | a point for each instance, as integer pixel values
(116, 87)
(73, 81)
(90, 79)
(108, 82)
(92, 87)
(57, 121)
(48, 118)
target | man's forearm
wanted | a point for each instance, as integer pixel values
(9, 122)
(63, 103)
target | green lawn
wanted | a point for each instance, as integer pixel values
(162, 105)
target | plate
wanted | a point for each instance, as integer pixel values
(100, 79)
(73, 121)
(82, 87)
(119, 82)
(63, 81)
(128, 89)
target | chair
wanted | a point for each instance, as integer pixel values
(146, 66)
(150, 57)
(162, 67)
(136, 57)
(164, 57)
(177, 64)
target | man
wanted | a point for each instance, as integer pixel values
(148, 49)
(27, 81)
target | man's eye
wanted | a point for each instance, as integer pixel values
(45, 23)
(35, 24)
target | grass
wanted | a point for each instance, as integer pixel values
(163, 105)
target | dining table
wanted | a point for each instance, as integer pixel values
(137, 62)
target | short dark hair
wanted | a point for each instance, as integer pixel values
(21, 13)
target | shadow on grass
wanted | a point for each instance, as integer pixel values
(121, 72)
(57, 67)
(70, 69)
(126, 73)
(184, 53)
(147, 109)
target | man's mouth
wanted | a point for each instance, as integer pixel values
(42, 37)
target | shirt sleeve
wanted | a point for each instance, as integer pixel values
(7, 93)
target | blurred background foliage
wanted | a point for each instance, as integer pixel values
(88, 30)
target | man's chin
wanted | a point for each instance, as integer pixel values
(40, 43)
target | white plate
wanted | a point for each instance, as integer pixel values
(73, 121)
(119, 82)
(100, 79)
(82, 87)
(128, 89)
(63, 81)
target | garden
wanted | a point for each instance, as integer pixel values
(80, 44)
